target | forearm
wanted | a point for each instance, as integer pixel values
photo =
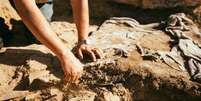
(38, 25)
(81, 17)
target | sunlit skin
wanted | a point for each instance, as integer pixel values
(37, 24)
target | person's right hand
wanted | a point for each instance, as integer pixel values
(72, 68)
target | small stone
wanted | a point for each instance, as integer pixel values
(82, 96)
(108, 96)
(37, 75)
(36, 65)
(57, 93)
(33, 96)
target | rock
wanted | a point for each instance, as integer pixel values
(38, 70)
(8, 13)
(196, 12)
(12, 29)
(34, 65)
(6, 73)
(32, 96)
(81, 96)
(37, 75)
(14, 94)
(157, 9)
(122, 92)
(108, 96)
(57, 93)
(160, 3)
(8, 91)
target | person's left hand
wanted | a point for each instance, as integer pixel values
(92, 51)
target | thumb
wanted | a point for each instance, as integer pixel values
(80, 55)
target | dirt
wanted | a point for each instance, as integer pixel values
(151, 41)
(29, 71)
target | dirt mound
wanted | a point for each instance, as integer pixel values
(138, 65)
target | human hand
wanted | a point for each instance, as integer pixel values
(92, 51)
(72, 68)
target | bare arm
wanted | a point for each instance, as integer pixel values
(81, 17)
(38, 25)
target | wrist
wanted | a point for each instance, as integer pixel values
(82, 36)
(69, 58)
(83, 42)
(65, 55)
(81, 39)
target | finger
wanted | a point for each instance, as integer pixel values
(80, 55)
(91, 53)
(66, 79)
(101, 52)
(74, 78)
(97, 53)
(80, 74)
(78, 77)
(69, 77)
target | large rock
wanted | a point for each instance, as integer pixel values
(160, 3)
(8, 13)
(12, 28)
(145, 11)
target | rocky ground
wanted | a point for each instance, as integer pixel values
(136, 66)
